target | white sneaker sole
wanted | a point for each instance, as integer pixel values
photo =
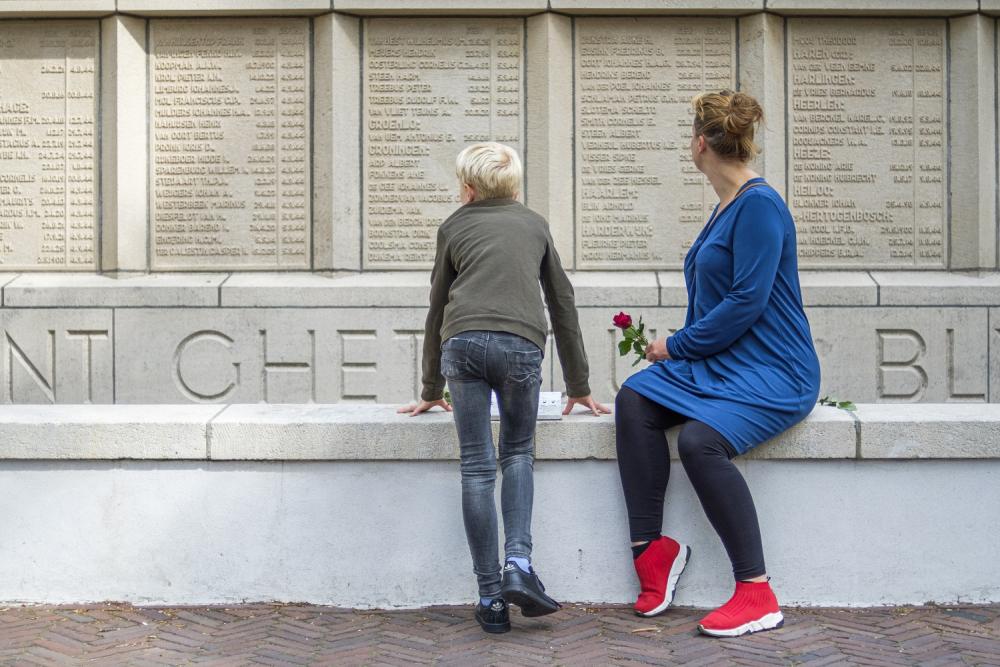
(765, 622)
(675, 573)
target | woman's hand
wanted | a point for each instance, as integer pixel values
(657, 350)
(588, 402)
(423, 406)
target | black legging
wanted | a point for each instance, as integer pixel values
(644, 463)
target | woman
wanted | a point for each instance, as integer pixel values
(742, 370)
(486, 305)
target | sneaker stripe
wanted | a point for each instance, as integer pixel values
(765, 622)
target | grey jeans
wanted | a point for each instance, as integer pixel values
(474, 363)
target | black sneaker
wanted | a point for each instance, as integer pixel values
(494, 618)
(526, 591)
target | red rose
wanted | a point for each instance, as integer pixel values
(622, 320)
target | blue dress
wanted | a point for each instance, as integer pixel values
(744, 363)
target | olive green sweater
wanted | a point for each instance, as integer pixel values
(491, 257)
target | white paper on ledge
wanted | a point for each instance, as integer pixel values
(549, 406)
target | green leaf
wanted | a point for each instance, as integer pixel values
(847, 405)
(447, 397)
(623, 347)
(636, 362)
(835, 402)
(639, 349)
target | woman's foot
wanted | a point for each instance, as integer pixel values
(659, 567)
(752, 608)
(493, 617)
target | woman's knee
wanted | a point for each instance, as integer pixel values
(698, 442)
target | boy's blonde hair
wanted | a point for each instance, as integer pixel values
(494, 170)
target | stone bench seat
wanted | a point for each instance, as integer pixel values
(265, 432)
(357, 506)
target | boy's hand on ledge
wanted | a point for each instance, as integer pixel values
(423, 406)
(587, 402)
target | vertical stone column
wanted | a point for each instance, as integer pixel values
(762, 74)
(337, 150)
(124, 145)
(972, 107)
(549, 155)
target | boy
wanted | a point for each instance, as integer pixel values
(486, 307)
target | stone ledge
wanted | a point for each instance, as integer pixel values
(657, 6)
(105, 431)
(930, 431)
(925, 288)
(441, 7)
(867, 7)
(245, 432)
(990, 7)
(611, 289)
(52, 8)
(223, 7)
(89, 290)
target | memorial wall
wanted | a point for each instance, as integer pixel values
(237, 201)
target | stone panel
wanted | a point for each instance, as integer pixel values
(230, 173)
(431, 87)
(275, 355)
(657, 6)
(124, 145)
(48, 145)
(883, 8)
(902, 355)
(34, 8)
(56, 356)
(934, 288)
(994, 353)
(640, 201)
(973, 149)
(222, 7)
(46, 290)
(762, 74)
(449, 7)
(336, 150)
(549, 161)
(868, 140)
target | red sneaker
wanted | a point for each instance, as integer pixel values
(659, 567)
(752, 608)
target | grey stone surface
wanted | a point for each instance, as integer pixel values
(994, 352)
(191, 533)
(90, 290)
(230, 147)
(990, 6)
(432, 86)
(902, 355)
(337, 152)
(368, 289)
(31, 8)
(898, 288)
(549, 156)
(885, 8)
(277, 355)
(868, 137)
(222, 7)
(124, 145)
(56, 356)
(444, 7)
(838, 288)
(657, 6)
(673, 291)
(941, 431)
(49, 166)
(762, 74)
(640, 200)
(90, 432)
(377, 432)
(615, 288)
(973, 153)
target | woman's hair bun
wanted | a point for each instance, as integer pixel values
(727, 119)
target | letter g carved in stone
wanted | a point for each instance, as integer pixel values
(183, 384)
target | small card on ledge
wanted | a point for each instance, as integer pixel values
(549, 406)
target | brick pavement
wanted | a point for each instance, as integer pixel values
(114, 634)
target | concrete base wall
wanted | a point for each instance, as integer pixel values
(389, 533)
